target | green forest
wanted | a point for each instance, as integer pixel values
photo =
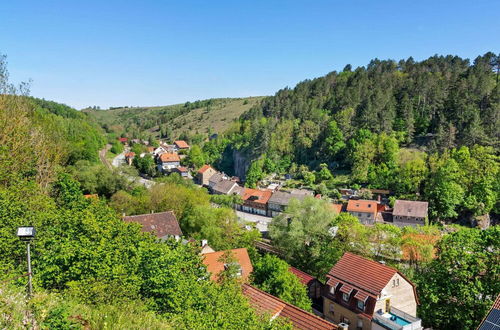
(427, 130)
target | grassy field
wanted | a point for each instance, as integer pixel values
(213, 115)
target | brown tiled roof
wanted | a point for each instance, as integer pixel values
(362, 205)
(362, 273)
(91, 196)
(168, 157)
(215, 266)
(161, 224)
(216, 177)
(263, 196)
(303, 277)
(204, 168)
(182, 169)
(410, 208)
(181, 144)
(130, 154)
(264, 302)
(283, 198)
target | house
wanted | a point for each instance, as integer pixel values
(181, 145)
(369, 295)
(314, 287)
(255, 201)
(129, 157)
(151, 150)
(160, 150)
(279, 201)
(492, 319)
(216, 178)
(183, 172)
(227, 187)
(215, 263)
(164, 224)
(168, 161)
(267, 304)
(409, 213)
(204, 174)
(365, 210)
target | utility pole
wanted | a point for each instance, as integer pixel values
(27, 234)
(30, 275)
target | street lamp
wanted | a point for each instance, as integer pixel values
(26, 234)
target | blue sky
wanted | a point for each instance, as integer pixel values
(117, 53)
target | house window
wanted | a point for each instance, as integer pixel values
(361, 305)
(360, 324)
(332, 290)
(345, 320)
(345, 297)
(331, 309)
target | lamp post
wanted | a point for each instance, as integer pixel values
(27, 234)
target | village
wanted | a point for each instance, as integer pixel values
(357, 293)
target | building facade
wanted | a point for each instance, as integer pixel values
(364, 210)
(369, 295)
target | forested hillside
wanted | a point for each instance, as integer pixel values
(171, 122)
(91, 270)
(425, 130)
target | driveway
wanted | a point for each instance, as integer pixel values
(261, 222)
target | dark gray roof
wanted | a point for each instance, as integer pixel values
(410, 208)
(283, 198)
(161, 224)
(224, 186)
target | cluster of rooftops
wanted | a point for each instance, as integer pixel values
(357, 289)
(273, 201)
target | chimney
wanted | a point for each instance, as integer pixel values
(204, 242)
(343, 326)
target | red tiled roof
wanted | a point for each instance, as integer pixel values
(123, 139)
(161, 224)
(337, 207)
(263, 195)
(262, 302)
(182, 169)
(181, 144)
(361, 205)
(130, 154)
(300, 319)
(215, 265)
(303, 277)
(204, 168)
(91, 196)
(362, 273)
(167, 157)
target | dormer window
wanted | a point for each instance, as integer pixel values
(361, 305)
(345, 297)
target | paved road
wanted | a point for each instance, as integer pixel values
(261, 221)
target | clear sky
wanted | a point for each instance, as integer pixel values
(117, 53)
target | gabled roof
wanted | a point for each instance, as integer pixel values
(361, 205)
(217, 177)
(204, 168)
(261, 196)
(224, 186)
(303, 277)
(283, 198)
(215, 265)
(161, 224)
(264, 302)
(181, 144)
(168, 157)
(410, 208)
(337, 207)
(362, 273)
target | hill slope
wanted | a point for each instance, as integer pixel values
(213, 115)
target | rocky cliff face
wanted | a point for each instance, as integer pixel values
(241, 164)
